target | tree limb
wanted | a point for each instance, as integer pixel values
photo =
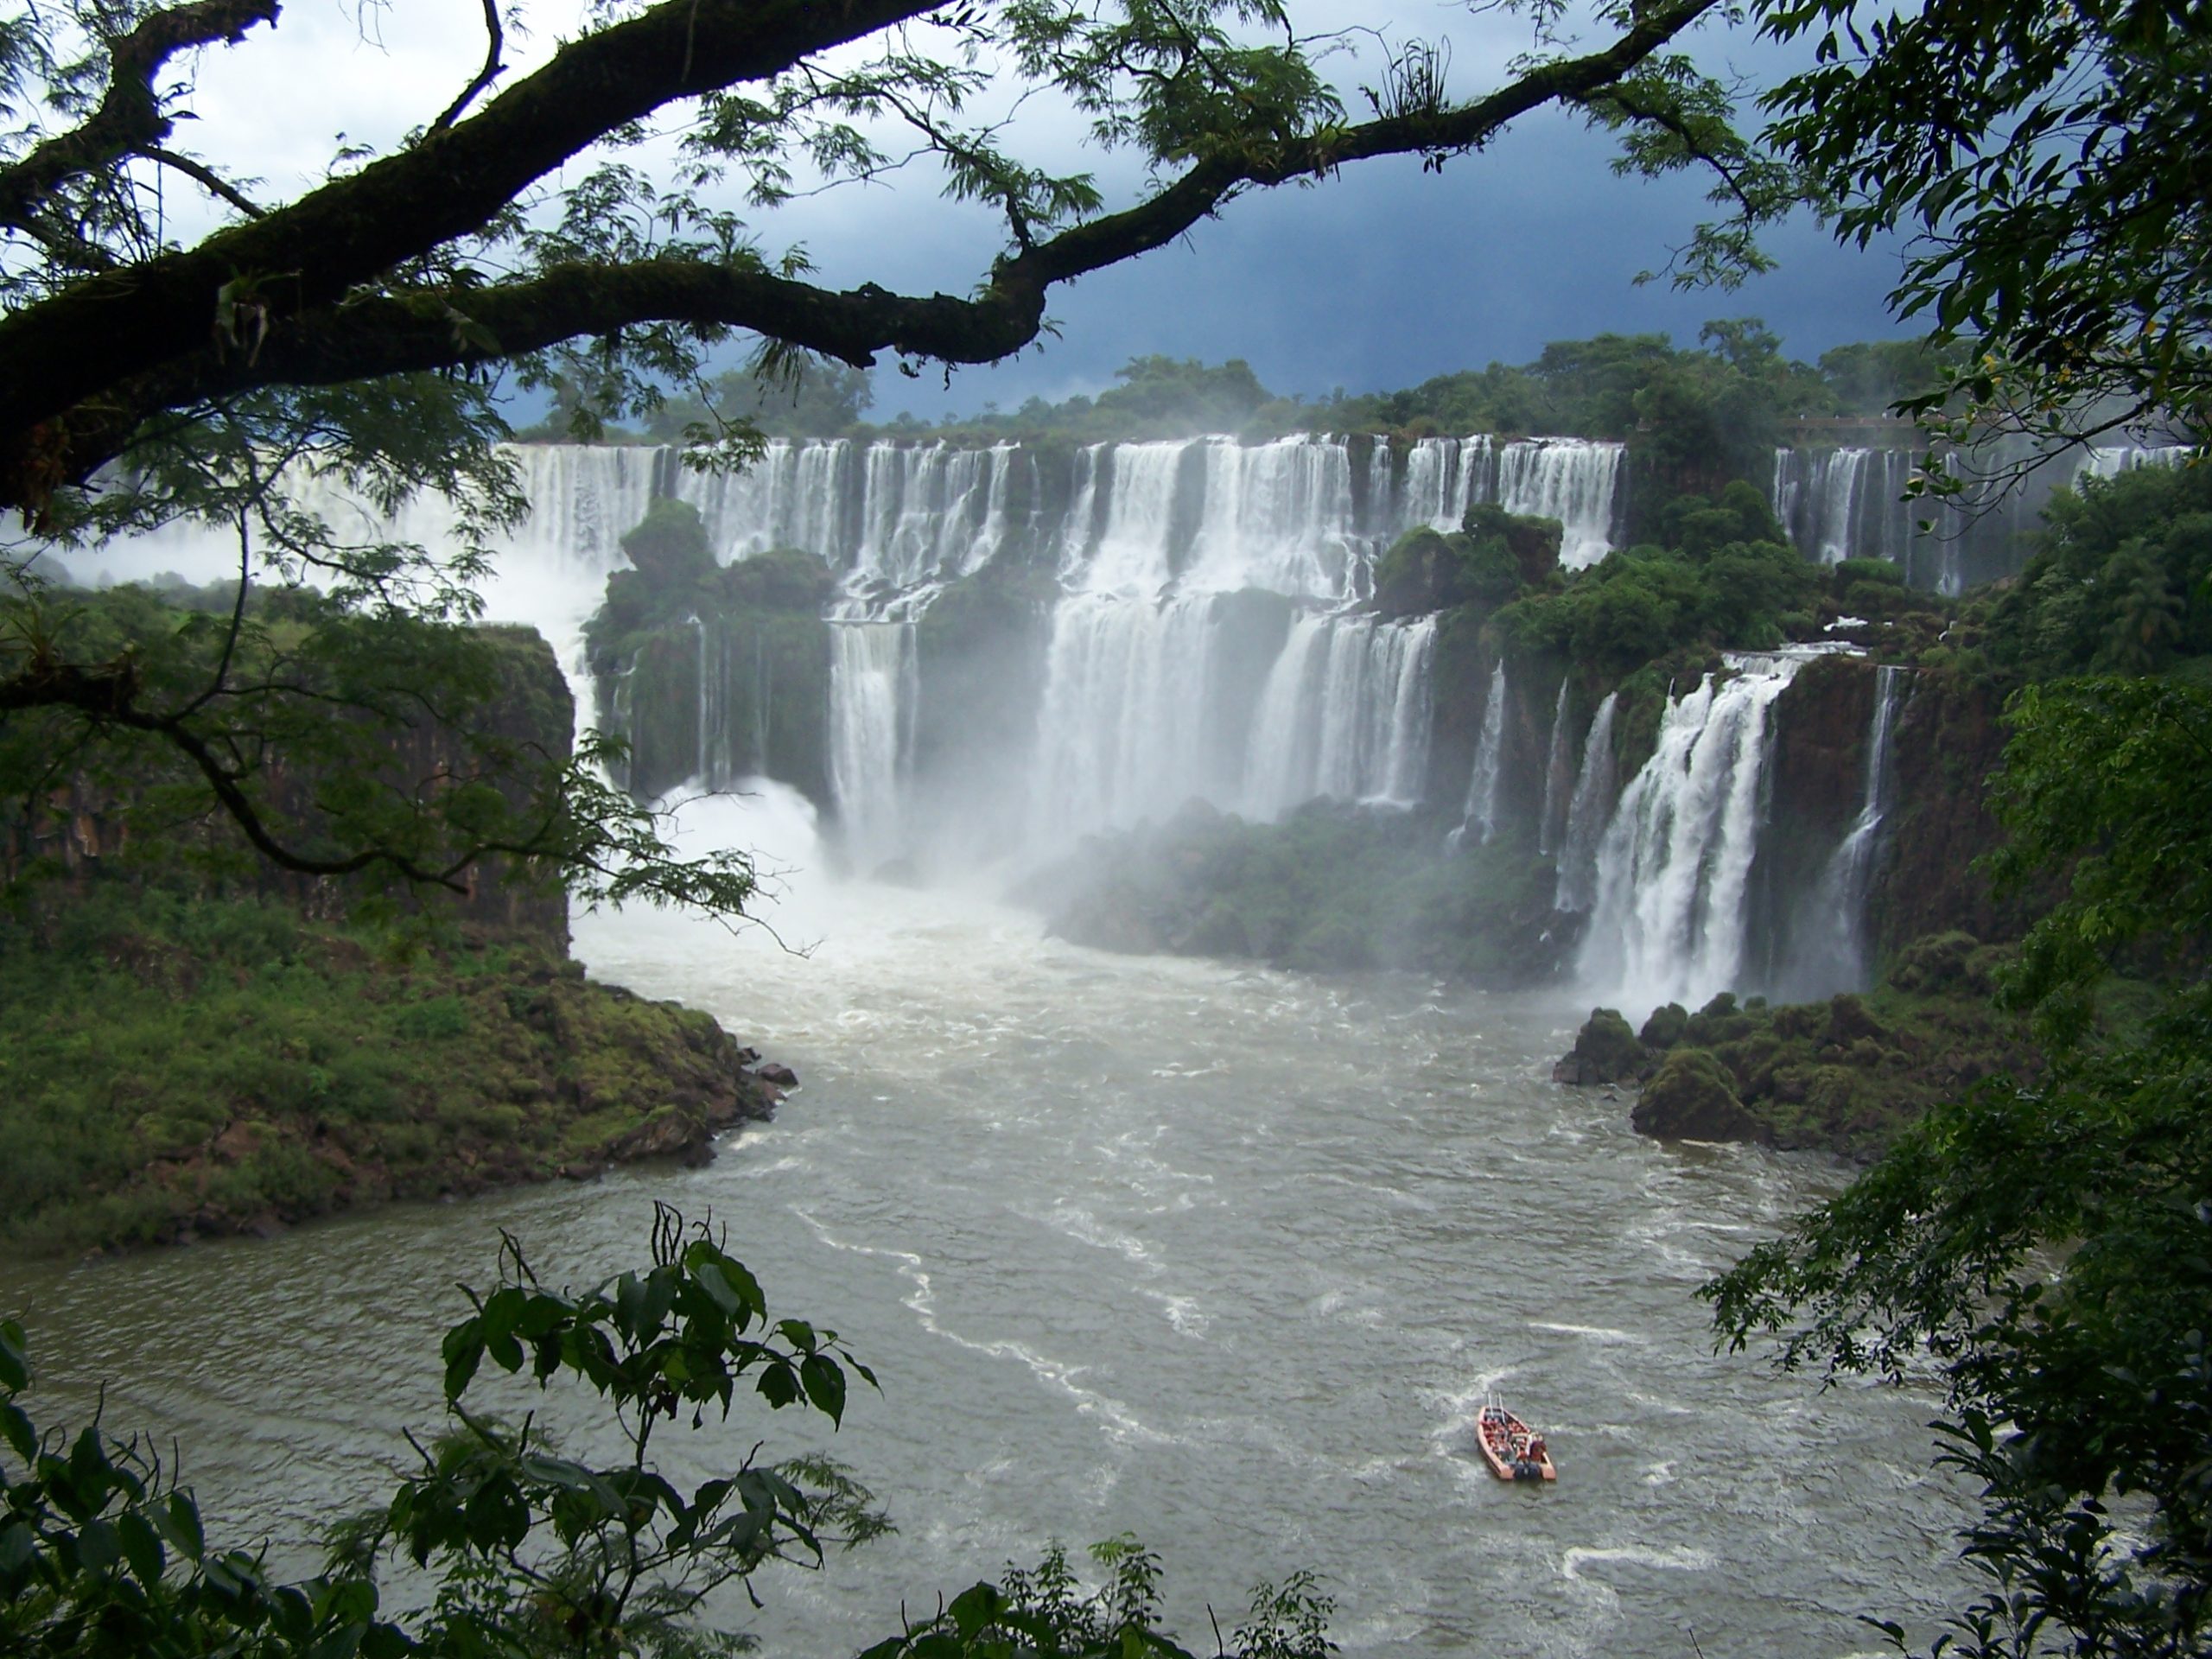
(364, 337)
(491, 71)
(129, 118)
(205, 177)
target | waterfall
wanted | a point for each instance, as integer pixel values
(1556, 782)
(1572, 480)
(1575, 480)
(1829, 953)
(1586, 813)
(1122, 734)
(1480, 813)
(1345, 712)
(872, 700)
(1668, 920)
(1849, 502)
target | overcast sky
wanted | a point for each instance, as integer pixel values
(1380, 278)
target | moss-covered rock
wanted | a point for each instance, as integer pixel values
(1606, 1051)
(1483, 563)
(1692, 1097)
(1846, 1074)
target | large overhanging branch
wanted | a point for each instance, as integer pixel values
(364, 338)
(129, 118)
(105, 332)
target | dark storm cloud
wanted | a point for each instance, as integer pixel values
(1380, 278)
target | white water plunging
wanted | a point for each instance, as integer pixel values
(1669, 917)
(1140, 535)
(1588, 812)
(1828, 953)
(1849, 503)
(1557, 781)
(1575, 480)
(1479, 815)
(1345, 712)
(872, 697)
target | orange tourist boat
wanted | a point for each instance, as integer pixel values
(1513, 1450)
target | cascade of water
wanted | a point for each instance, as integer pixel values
(1575, 480)
(1278, 516)
(1556, 781)
(871, 696)
(1123, 732)
(1572, 480)
(1586, 814)
(1668, 919)
(1480, 813)
(1851, 503)
(1444, 478)
(1829, 954)
(1411, 716)
(1131, 553)
(1344, 712)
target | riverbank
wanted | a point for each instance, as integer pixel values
(176, 1068)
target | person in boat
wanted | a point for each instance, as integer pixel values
(1536, 1448)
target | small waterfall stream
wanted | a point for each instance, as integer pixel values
(1479, 816)
(1587, 813)
(871, 734)
(1828, 953)
(1557, 781)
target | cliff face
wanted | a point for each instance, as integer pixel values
(86, 832)
(1949, 738)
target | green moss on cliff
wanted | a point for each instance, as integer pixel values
(171, 1065)
(753, 630)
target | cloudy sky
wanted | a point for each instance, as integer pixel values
(1380, 278)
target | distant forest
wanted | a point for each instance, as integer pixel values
(1736, 382)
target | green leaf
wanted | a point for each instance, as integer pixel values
(16, 1428)
(778, 1385)
(178, 1520)
(825, 1385)
(975, 1607)
(15, 1358)
(99, 1549)
(464, 1352)
(142, 1547)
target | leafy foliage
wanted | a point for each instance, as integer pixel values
(530, 1551)
(102, 1553)
(2118, 584)
(1730, 579)
(1043, 1612)
(2049, 1249)
(2043, 156)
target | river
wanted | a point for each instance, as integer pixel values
(1221, 1256)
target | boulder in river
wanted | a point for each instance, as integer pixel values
(1691, 1098)
(1606, 1051)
